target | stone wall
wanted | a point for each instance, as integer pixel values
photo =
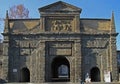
(32, 46)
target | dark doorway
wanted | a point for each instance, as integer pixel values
(95, 74)
(24, 75)
(119, 73)
(60, 69)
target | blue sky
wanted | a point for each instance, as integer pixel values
(90, 9)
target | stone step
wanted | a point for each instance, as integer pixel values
(65, 83)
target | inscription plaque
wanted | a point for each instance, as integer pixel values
(96, 43)
(60, 48)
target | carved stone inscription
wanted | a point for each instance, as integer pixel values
(26, 47)
(96, 43)
(60, 48)
(59, 25)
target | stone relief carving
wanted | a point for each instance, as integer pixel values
(61, 25)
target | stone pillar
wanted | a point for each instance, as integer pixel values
(5, 61)
(42, 26)
(113, 60)
(77, 23)
(47, 65)
(33, 67)
(72, 68)
(5, 69)
(42, 60)
(77, 61)
(75, 66)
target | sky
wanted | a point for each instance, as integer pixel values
(90, 9)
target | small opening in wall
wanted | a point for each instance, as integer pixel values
(24, 75)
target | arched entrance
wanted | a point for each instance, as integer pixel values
(95, 74)
(24, 75)
(119, 73)
(60, 69)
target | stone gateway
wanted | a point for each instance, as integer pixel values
(60, 46)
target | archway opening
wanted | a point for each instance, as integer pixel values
(119, 70)
(24, 75)
(60, 69)
(119, 73)
(95, 74)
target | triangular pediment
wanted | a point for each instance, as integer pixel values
(59, 7)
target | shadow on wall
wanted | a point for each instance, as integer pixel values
(2, 81)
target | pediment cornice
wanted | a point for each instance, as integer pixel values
(60, 7)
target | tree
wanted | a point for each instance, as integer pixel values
(18, 12)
